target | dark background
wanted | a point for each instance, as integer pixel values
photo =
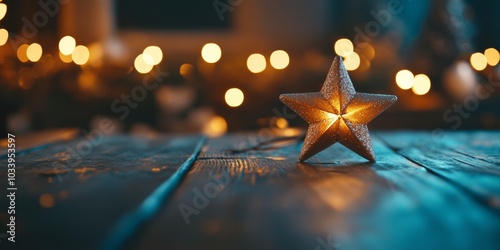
(56, 100)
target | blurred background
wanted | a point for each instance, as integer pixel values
(214, 66)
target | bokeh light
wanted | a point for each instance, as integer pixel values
(34, 52)
(96, 51)
(67, 45)
(211, 53)
(234, 97)
(367, 50)
(4, 36)
(186, 70)
(279, 59)
(217, 126)
(65, 58)
(343, 47)
(143, 63)
(492, 56)
(3, 10)
(80, 55)
(405, 79)
(47, 200)
(352, 61)
(21, 53)
(155, 53)
(88, 81)
(281, 123)
(478, 61)
(256, 63)
(422, 84)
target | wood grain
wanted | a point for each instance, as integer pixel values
(420, 194)
(89, 197)
(337, 200)
(468, 160)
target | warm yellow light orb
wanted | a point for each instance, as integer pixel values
(217, 126)
(3, 10)
(21, 53)
(65, 58)
(281, 123)
(367, 50)
(478, 61)
(67, 45)
(234, 97)
(492, 56)
(186, 70)
(80, 55)
(4, 36)
(256, 63)
(34, 52)
(143, 63)
(343, 47)
(155, 53)
(211, 53)
(405, 79)
(422, 84)
(352, 61)
(279, 59)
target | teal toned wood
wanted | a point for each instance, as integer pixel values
(469, 160)
(439, 193)
(91, 195)
(337, 200)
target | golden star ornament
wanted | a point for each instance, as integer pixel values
(337, 114)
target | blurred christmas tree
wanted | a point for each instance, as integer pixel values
(446, 38)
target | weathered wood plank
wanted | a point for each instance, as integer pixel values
(337, 200)
(260, 199)
(38, 140)
(84, 199)
(482, 145)
(470, 160)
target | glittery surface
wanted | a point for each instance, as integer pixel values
(337, 114)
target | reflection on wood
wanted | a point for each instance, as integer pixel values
(420, 194)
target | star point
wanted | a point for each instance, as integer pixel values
(337, 114)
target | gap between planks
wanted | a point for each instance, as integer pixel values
(133, 220)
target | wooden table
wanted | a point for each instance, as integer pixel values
(189, 192)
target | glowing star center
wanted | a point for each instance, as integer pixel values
(332, 116)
